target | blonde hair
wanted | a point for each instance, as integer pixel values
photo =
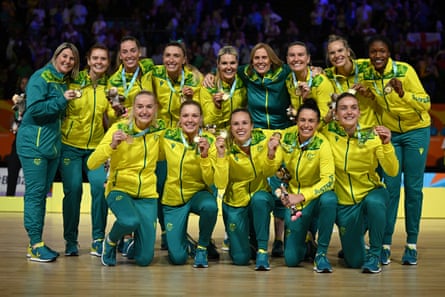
(225, 50)
(75, 71)
(131, 117)
(332, 38)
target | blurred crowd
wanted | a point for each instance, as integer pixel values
(32, 29)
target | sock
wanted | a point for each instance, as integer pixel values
(387, 247)
(411, 246)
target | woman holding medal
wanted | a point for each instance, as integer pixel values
(39, 140)
(302, 83)
(346, 73)
(82, 130)
(127, 79)
(308, 158)
(195, 161)
(247, 201)
(173, 83)
(132, 145)
(228, 92)
(404, 107)
(358, 186)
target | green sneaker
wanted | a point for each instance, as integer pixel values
(201, 258)
(71, 249)
(108, 257)
(372, 264)
(262, 261)
(277, 248)
(127, 242)
(41, 253)
(409, 256)
(385, 256)
(321, 264)
(130, 250)
(96, 247)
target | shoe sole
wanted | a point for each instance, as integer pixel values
(386, 262)
(262, 268)
(322, 270)
(200, 266)
(72, 254)
(42, 260)
(409, 263)
(367, 270)
(94, 253)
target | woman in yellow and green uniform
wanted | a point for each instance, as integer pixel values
(132, 145)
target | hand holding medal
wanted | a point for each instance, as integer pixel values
(220, 143)
(396, 85)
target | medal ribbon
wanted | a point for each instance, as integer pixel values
(133, 80)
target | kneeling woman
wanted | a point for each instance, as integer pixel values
(362, 197)
(247, 201)
(308, 158)
(195, 161)
(133, 147)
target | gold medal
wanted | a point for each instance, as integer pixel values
(352, 91)
(225, 97)
(387, 89)
(129, 139)
(78, 93)
(196, 139)
(223, 133)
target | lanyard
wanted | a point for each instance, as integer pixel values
(338, 85)
(142, 133)
(232, 90)
(294, 78)
(394, 74)
(169, 83)
(133, 79)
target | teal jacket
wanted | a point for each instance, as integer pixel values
(267, 97)
(39, 135)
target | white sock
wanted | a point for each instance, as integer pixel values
(387, 246)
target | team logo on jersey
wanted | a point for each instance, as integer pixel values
(37, 161)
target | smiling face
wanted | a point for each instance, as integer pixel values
(261, 61)
(227, 67)
(190, 120)
(98, 62)
(379, 55)
(241, 127)
(65, 61)
(173, 60)
(298, 58)
(144, 110)
(338, 54)
(347, 112)
(307, 122)
(129, 54)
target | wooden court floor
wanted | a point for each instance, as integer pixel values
(85, 276)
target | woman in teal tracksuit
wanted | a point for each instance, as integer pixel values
(132, 145)
(82, 130)
(195, 161)
(39, 140)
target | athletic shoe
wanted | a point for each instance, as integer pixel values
(28, 251)
(130, 250)
(321, 264)
(126, 243)
(226, 245)
(262, 261)
(385, 256)
(201, 258)
(108, 257)
(96, 247)
(277, 248)
(372, 264)
(41, 253)
(71, 249)
(212, 251)
(341, 254)
(409, 256)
